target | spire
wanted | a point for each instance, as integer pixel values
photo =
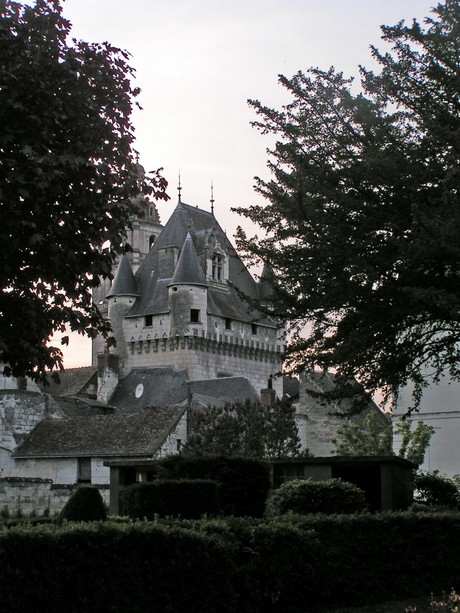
(188, 270)
(212, 199)
(179, 188)
(124, 283)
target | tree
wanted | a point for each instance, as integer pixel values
(370, 438)
(68, 173)
(362, 216)
(244, 429)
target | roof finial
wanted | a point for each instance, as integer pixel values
(212, 198)
(179, 188)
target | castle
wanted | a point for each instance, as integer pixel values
(182, 298)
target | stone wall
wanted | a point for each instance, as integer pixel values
(23, 497)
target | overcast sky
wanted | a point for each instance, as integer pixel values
(198, 61)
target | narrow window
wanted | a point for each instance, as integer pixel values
(253, 328)
(84, 470)
(217, 264)
(194, 316)
(228, 323)
(148, 320)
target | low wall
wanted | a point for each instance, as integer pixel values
(25, 496)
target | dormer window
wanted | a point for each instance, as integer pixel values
(217, 267)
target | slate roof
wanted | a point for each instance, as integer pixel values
(166, 386)
(224, 300)
(160, 386)
(124, 283)
(72, 381)
(126, 434)
(188, 269)
(222, 391)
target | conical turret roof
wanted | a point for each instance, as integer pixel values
(188, 270)
(124, 283)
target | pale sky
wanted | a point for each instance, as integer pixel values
(198, 61)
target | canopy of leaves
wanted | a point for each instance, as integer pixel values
(68, 173)
(245, 429)
(369, 437)
(362, 213)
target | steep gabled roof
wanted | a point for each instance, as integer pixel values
(224, 299)
(128, 434)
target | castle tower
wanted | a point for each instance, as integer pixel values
(145, 229)
(188, 294)
(120, 299)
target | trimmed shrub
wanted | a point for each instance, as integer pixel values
(84, 504)
(243, 483)
(307, 496)
(187, 498)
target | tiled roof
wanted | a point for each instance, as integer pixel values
(126, 434)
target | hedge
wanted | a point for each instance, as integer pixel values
(243, 483)
(187, 498)
(296, 564)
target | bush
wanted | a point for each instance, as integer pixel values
(243, 483)
(186, 498)
(435, 490)
(307, 496)
(84, 504)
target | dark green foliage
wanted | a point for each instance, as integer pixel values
(299, 564)
(186, 498)
(307, 496)
(68, 174)
(362, 215)
(243, 482)
(128, 569)
(435, 490)
(245, 429)
(84, 504)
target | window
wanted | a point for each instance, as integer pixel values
(228, 323)
(194, 316)
(151, 241)
(148, 320)
(84, 470)
(253, 328)
(217, 266)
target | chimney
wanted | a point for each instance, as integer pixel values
(107, 376)
(268, 396)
